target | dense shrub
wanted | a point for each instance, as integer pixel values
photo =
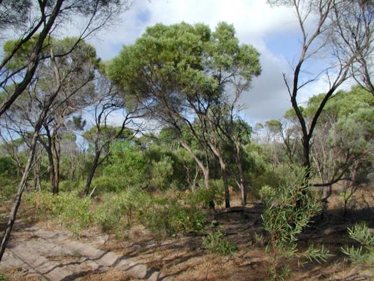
(120, 210)
(216, 243)
(203, 196)
(168, 217)
(68, 208)
(284, 219)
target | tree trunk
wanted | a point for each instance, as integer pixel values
(242, 183)
(204, 169)
(224, 174)
(94, 165)
(307, 166)
(17, 200)
(225, 183)
(56, 160)
(306, 158)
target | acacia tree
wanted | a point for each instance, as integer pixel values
(179, 72)
(36, 21)
(320, 26)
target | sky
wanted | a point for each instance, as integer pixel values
(273, 31)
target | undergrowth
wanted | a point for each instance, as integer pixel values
(113, 213)
(217, 243)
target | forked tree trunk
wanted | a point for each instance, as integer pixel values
(203, 168)
(222, 164)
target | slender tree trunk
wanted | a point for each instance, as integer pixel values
(222, 164)
(17, 201)
(91, 174)
(56, 174)
(242, 183)
(56, 161)
(193, 185)
(225, 183)
(306, 158)
(307, 167)
(204, 169)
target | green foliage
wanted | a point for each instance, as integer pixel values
(127, 168)
(317, 254)
(363, 255)
(216, 243)
(168, 217)
(121, 209)
(68, 208)
(8, 177)
(3, 276)
(179, 57)
(162, 172)
(284, 220)
(203, 196)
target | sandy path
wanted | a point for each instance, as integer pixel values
(57, 256)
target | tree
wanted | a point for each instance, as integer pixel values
(354, 22)
(179, 72)
(76, 93)
(101, 135)
(34, 137)
(343, 137)
(44, 17)
(96, 14)
(322, 35)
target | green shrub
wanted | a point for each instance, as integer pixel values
(3, 276)
(363, 255)
(283, 220)
(162, 172)
(68, 208)
(121, 209)
(203, 196)
(168, 217)
(216, 243)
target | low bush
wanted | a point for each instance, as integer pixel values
(119, 210)
(68, 208)
(364, 254)
(203, 196)
(284, 219)
(216, 243)
(168, 217)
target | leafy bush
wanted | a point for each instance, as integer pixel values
(120, 209)
(203, 196)
(161, 173)
(69, 208)
(283, 220)
(363, 255)
(216, 242)
(167, 217)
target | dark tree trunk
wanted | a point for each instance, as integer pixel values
(91, 174)
(56, 167)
